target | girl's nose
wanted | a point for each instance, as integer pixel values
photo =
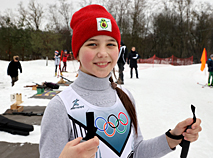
(102, 53)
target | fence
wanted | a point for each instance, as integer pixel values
(171, 60)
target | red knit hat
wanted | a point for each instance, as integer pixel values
(92, 20)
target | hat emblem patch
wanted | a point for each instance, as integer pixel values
(104, 24)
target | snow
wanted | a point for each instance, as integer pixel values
(163, 95)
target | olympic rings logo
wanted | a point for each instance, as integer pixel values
(114, 127)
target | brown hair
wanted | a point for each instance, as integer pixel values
(127, 103)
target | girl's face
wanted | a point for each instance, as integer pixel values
(98, 55)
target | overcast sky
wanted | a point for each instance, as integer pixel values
(13, 4)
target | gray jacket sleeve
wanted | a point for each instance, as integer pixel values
(151, 148)
(55, 129)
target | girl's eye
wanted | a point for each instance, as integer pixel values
(91, 44)
(111, 44)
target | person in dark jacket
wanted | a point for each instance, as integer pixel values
(210, 69)
(121, 62)
(132, 61)
(12, 69)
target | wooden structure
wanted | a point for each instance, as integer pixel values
(15, 106)
(61, 81)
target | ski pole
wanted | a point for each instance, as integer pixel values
(185, 144)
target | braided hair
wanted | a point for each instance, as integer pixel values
(130, 108)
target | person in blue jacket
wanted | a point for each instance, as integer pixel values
(210, 69)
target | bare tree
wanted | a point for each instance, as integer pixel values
(138, 25)
(202, 32)
(84, 3)
(65, 10)
(8, 19)
(23, 21)
(54, 19)
(120, 11)
(8, 31)
(59, 16)
(35, 14)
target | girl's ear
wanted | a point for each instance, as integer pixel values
(78, 58)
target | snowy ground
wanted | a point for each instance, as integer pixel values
(163, 95)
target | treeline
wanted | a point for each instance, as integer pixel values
(169, 27)
(23, 34)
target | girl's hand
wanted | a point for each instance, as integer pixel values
(75, 149)
(190, 134)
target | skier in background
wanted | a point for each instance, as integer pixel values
(12, 69)
(121, 62)
(210, 69)
(57, 61)
(65, 55)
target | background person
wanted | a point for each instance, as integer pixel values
(121, 62)
(57, 61)
(210, 70)
(132, 61)
(65, 56)
(12, 69)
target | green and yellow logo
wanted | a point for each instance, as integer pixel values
(103, 24)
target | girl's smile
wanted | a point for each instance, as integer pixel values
(103, 64)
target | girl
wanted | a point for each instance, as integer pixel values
(93, 117)
(57, 61)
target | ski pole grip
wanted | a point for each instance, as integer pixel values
(185, 144)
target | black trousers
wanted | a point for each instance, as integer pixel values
(136, 72)
(14, 79)
(65, 66)
(56, 66)
(121, 69)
